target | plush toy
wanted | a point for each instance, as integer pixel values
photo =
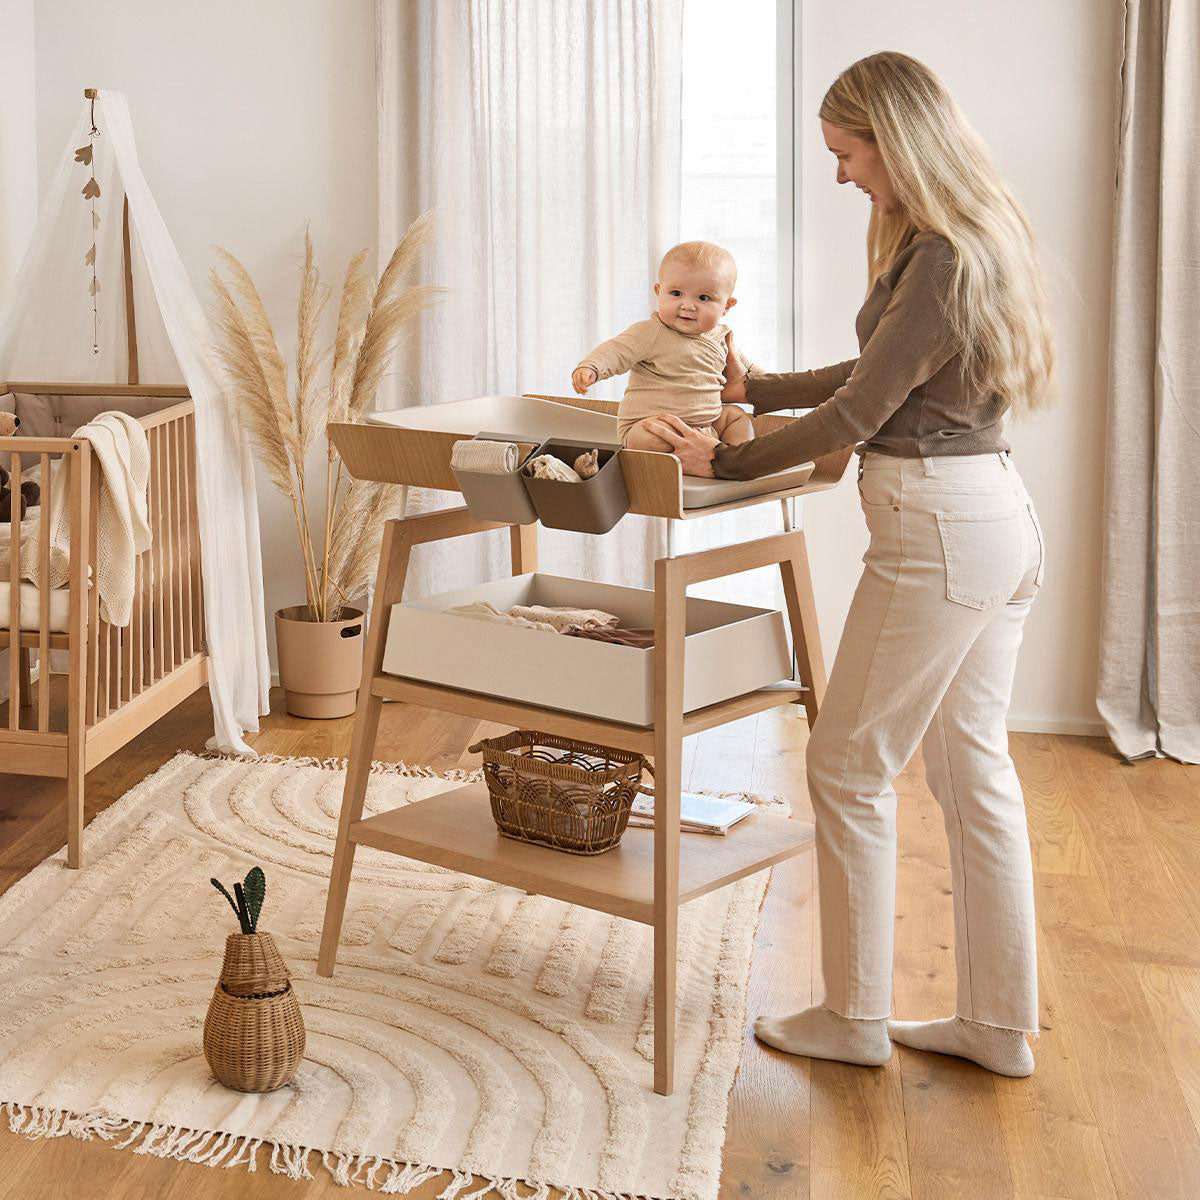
(30, 493)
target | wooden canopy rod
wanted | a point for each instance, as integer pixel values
(172, 390)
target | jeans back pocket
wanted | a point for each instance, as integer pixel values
(985, 555)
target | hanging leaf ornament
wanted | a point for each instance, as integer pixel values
(89, 259)
(84, 154)
(91, 189)
(93, 287)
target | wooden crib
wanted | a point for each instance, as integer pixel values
(119, 680)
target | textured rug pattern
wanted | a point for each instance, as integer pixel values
(468, 1026)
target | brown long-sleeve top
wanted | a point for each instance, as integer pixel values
(904, 395)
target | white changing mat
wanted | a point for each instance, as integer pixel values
(30, 607)
(529, 419)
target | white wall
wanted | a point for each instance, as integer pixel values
(252, 119)
(18, 141)
(1038, 81)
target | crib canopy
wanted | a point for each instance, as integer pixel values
(102, 297)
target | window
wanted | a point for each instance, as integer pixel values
(731, 194)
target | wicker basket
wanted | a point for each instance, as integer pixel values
(254, 1031)
(577, 801)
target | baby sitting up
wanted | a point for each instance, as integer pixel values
(678, 360)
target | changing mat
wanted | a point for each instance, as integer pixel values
(530, 419)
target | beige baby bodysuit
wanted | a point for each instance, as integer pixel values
(669, 371)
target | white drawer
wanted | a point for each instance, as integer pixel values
(729, 649)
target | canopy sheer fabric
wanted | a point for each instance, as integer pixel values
(50, 331)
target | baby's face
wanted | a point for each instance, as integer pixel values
(692, 299)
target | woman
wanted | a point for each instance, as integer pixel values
(952, 335)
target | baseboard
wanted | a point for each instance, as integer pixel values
(1071, 726)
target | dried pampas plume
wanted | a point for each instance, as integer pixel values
(283, 427)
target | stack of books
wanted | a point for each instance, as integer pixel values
(697, 813)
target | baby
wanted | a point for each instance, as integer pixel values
(678, 360)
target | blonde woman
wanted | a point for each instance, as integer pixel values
(952, 336)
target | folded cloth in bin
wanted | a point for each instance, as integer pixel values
(539, 617)
(638, 639)
(486, 457)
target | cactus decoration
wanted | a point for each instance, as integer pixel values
(250, 894)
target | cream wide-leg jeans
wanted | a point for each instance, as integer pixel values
(927, 657)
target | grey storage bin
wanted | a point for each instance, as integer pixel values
(497, 497)
(592, 506)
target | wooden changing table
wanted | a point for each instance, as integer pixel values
(644, 878)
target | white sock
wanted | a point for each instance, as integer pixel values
(1004, 1051)
(819, 1032)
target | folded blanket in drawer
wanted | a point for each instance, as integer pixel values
(30, 607)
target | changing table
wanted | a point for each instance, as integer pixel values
(645, 878)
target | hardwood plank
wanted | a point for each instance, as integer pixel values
(952, 1123)
(1151, 1143)
(1055, 838)
(1156, 918)
(1173, 994)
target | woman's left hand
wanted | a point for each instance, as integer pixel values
(693, 449)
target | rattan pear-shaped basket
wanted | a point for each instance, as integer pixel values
(254, 1031)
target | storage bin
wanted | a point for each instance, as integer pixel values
(591, 506)
(729, 649)
(497, 497)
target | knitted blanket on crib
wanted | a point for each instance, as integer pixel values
(120, 449)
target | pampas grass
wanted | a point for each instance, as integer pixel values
(283, 426)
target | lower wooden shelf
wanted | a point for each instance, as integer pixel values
(455, 830)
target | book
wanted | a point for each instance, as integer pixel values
(697, 813)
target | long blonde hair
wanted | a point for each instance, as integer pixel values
(945, 181)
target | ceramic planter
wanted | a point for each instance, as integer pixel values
(320, 662)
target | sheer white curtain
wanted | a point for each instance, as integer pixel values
(47, 329)
(546, 138)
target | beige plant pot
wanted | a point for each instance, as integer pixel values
(320, 662)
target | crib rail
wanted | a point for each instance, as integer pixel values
(167, 620)
(110, 666)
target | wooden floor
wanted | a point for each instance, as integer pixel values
(1112, 1109)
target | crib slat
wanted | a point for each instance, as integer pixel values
(14, 597)
(93, 600)
(44, 599)
(197, 579)
(178, 594)
(137, 627)
(185, 543)
(170, 466)
(160, 633)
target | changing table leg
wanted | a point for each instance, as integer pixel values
(389, 590)
(524, 542)
(670, 584)
(802, 616)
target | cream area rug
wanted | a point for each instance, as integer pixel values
(468, 1026)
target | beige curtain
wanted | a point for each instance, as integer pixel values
(1149, 680)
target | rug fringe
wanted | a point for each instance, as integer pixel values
(214, 1148)
(453, 774)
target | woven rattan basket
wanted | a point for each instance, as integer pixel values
(558, 792)
(254, 1031)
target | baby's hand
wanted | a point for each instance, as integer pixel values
(582, 378)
